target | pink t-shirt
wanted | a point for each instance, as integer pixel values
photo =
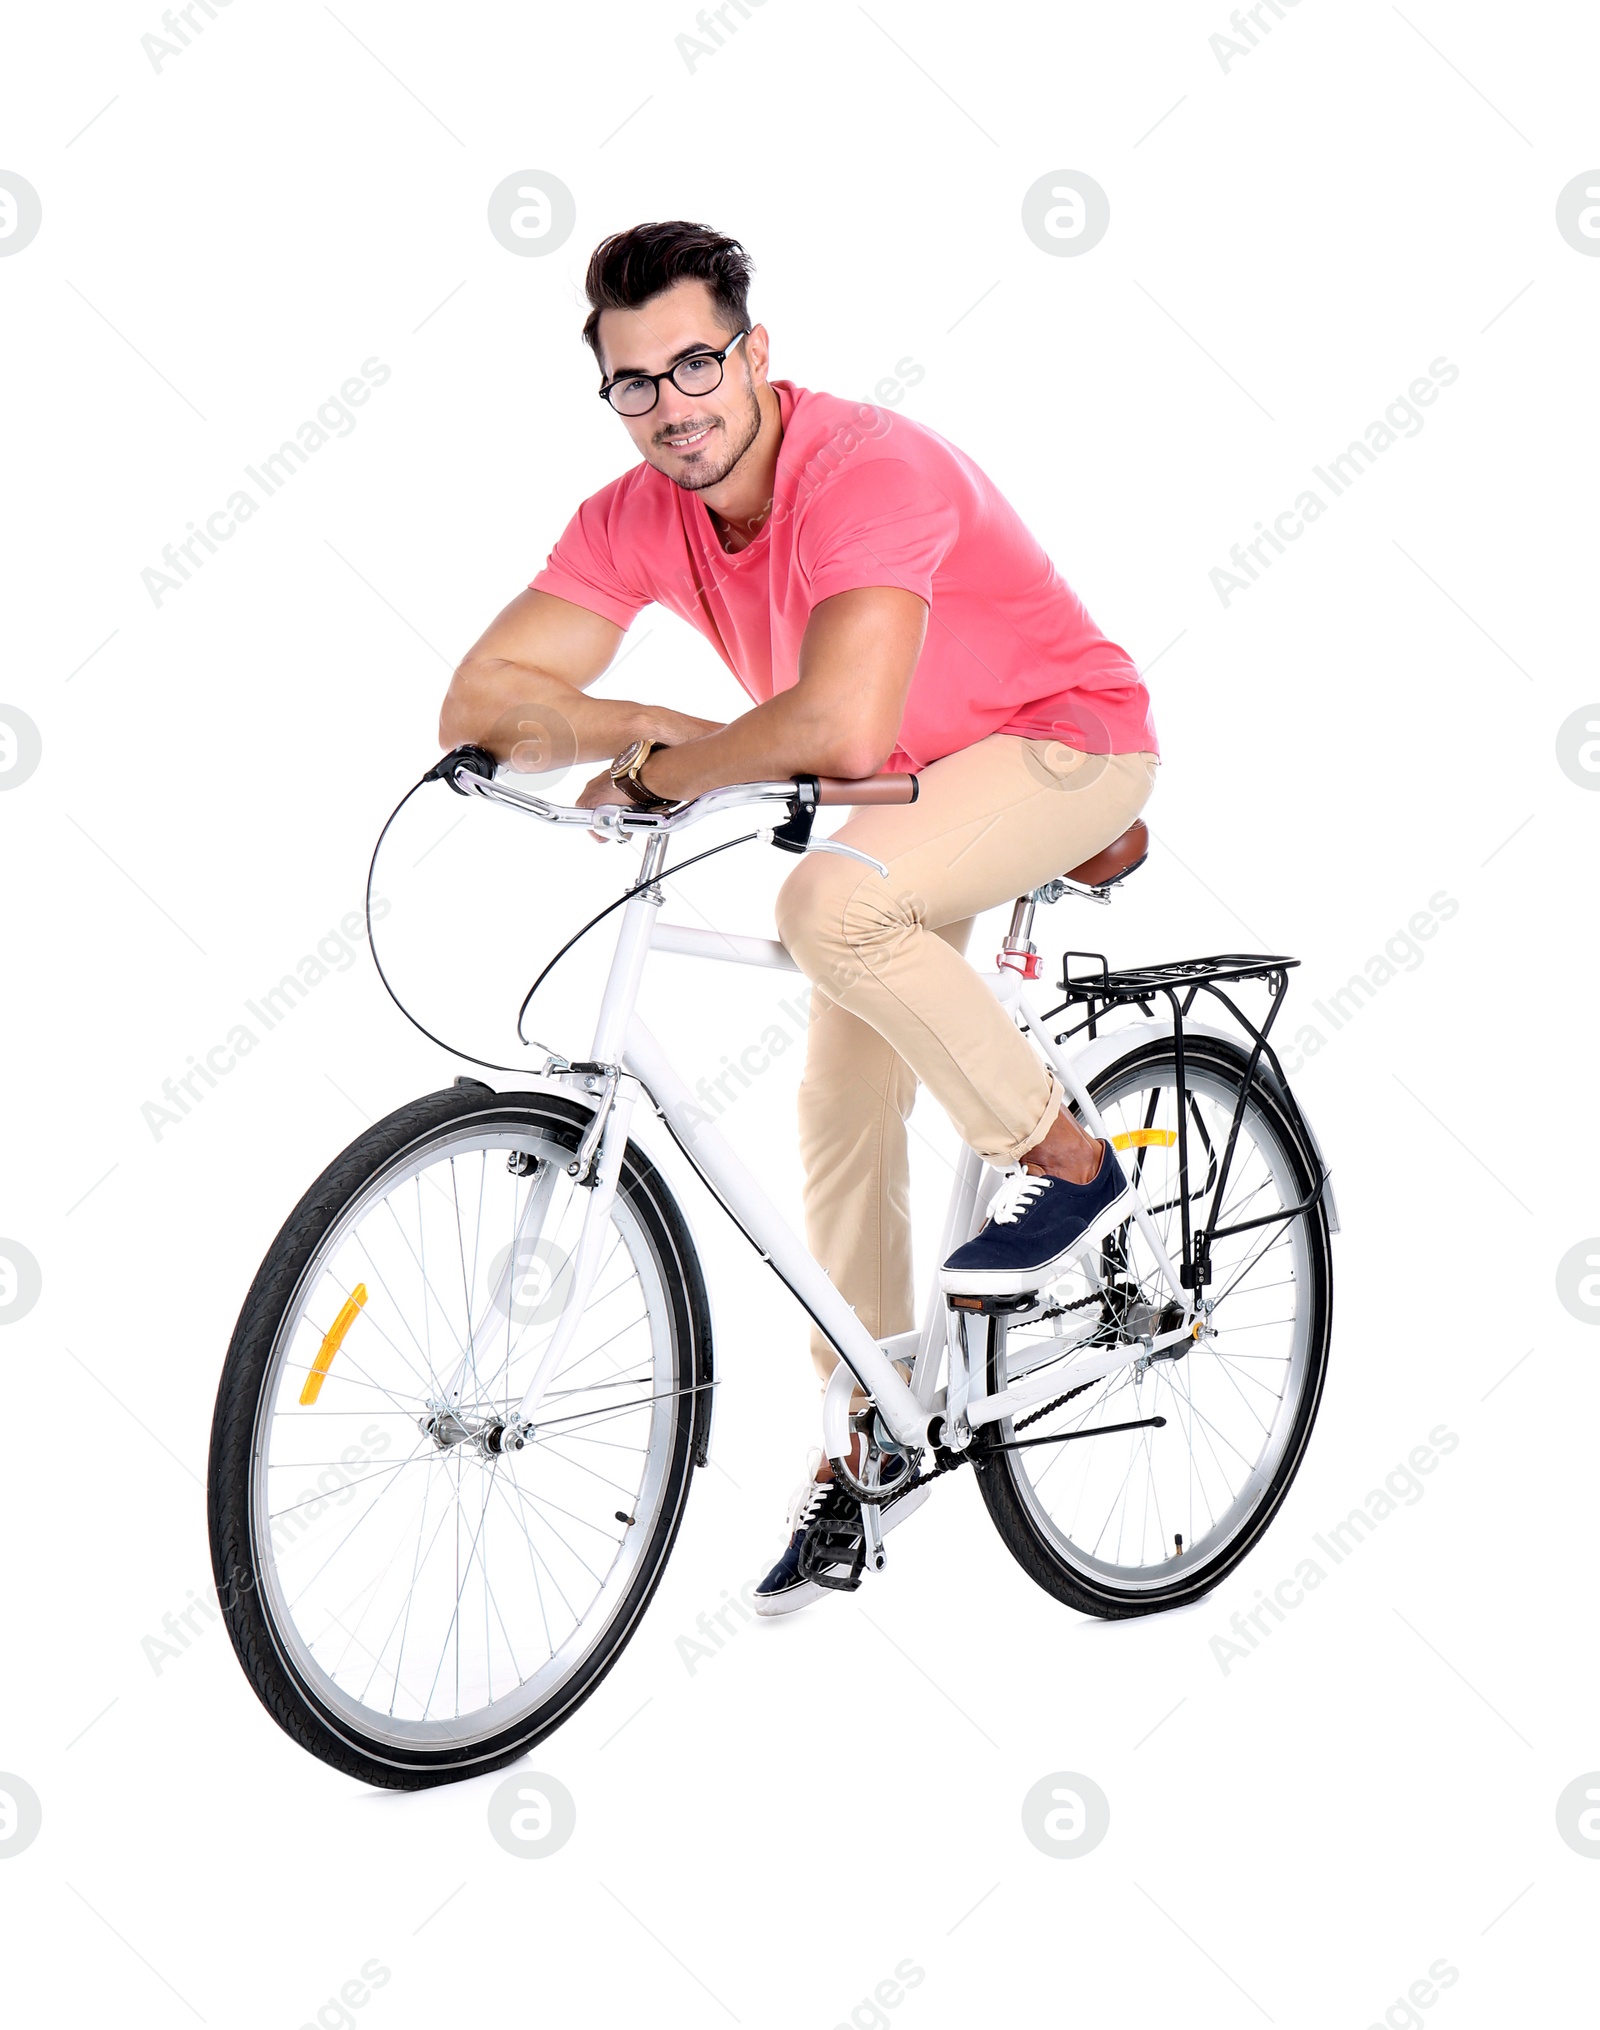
(863, 496)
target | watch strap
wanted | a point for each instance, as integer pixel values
(626, 776)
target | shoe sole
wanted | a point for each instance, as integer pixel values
(1013, 1282)
(793, 1597)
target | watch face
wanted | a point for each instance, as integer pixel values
(628, 757)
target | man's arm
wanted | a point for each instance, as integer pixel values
(519, 690)
(841, 717)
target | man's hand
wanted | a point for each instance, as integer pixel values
(600, 789)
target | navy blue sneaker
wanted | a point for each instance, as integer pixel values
(783, 1589)
(1035, 1227)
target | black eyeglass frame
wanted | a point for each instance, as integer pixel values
(671, 374)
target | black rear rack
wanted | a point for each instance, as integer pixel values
(1179, 981)
(1142, 983)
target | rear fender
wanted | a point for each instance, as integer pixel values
(1099, 1053)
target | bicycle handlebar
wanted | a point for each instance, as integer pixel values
(470, 772)
(866, 789)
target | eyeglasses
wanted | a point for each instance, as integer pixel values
(637, 394)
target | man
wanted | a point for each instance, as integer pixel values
(887, 610)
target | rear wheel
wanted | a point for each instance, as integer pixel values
(1147, 1519)
(411, 1603)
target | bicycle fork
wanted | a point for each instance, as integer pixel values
(597, 1164)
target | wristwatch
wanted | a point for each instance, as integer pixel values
(625, 774)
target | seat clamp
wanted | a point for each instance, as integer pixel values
(1026, 962)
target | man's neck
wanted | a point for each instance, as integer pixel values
(740, 504)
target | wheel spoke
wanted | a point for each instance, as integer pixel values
(1107, 1506)
(461, 1604)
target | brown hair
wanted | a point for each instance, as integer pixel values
(629, 268)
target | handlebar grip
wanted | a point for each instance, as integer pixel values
(867, 789)
(477, 760)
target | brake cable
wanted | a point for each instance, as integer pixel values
(437, 774)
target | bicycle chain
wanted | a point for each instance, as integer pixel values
(952, 1460)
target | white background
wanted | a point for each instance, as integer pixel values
(1293, 239)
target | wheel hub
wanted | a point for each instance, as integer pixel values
(488, 1436)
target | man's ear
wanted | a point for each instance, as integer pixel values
(758, 351)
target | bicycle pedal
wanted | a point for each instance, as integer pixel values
(834, 1552)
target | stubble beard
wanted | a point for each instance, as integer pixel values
(697, 478)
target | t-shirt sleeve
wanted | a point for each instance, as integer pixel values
(590, 563)
(877, 521)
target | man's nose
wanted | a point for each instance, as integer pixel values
(678, 411)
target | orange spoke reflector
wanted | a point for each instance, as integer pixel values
(1145, 1138)
(348, 1312)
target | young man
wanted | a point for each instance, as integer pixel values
(887, 610)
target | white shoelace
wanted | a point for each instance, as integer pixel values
(804, 1503)
(1014, 1198)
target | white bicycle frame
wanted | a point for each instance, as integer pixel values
(626, 1058)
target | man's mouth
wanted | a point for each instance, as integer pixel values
(688, 441)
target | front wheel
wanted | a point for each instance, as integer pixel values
(410, 1602)
(1142, 1520)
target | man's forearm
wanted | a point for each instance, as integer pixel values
(779, 738)
(540, 722)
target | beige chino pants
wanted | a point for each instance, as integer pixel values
(896, 1003)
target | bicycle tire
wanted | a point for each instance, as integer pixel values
(261, 1638)
(1001, 1474)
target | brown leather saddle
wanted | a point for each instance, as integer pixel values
(1115, 862)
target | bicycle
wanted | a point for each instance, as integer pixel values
(470, 1384)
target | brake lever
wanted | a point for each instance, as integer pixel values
(850, 853)
(769, 835)
(794, 834)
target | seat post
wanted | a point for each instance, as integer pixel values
(1018, 953)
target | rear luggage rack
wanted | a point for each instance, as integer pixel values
(1179, 981)
(1142, 983)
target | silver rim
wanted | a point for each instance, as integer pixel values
(431, 1591)
(1113, 1508)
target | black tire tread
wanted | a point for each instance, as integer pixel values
(233, 1423)
(994, 1471)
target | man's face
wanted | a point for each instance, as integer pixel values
(696, 440)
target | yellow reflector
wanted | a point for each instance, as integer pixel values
(332, 1343)
(1145, 1138)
